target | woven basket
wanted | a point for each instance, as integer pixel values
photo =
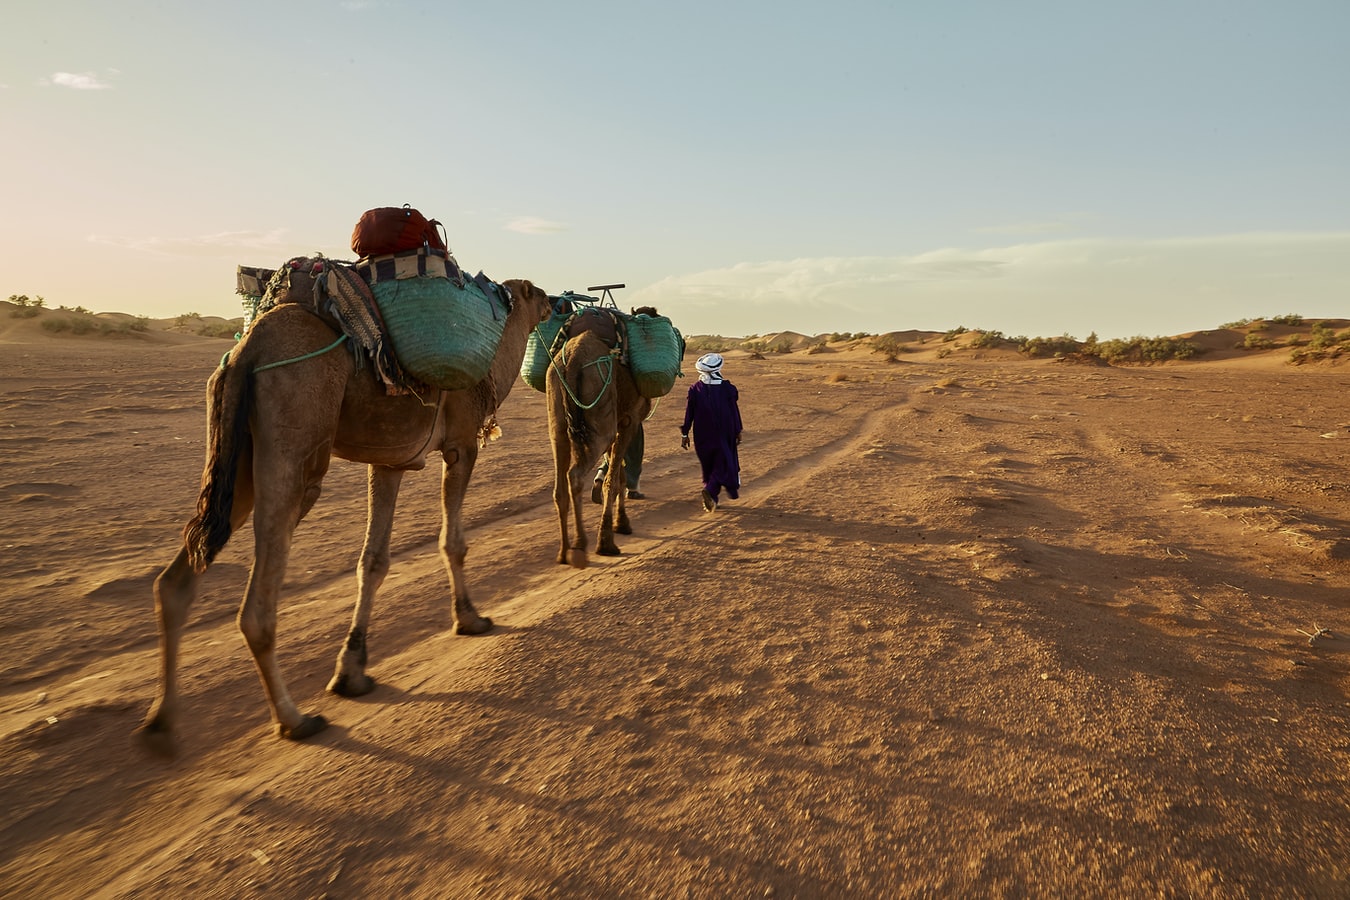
(534, 367)
(442, 334)
(655, 348)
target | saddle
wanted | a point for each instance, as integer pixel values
(596, 320)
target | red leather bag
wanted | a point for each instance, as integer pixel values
(391, 229)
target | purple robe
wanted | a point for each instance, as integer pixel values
(714, 414)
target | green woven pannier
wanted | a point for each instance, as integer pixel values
(654, 351)
(534, 367)
(442, 334)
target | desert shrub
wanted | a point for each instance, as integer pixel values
(817, 347)
(983, 339)
(889, 345)
(27, 308)
(140, 323)
(56, 324)
(219, 330)
(1145, 350)
(1323, 337)
(1240, 323)
(186, 319)
(782, 345)
(1260, 326)
(707, 343)
(953, 334)
(1256, 341)
(943, 352)
(757, 346)
(1290, 319)
(1056, 346)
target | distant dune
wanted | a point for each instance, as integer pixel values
(1295, 340)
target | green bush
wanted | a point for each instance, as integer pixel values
(1057, 346)
(986, 339)
(1146, 350)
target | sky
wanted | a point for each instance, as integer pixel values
(1036, 168)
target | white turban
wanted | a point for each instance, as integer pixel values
(710, 368)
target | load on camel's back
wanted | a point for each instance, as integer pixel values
(287, 399)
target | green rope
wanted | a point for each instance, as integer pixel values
(287, 362)
(609, 377)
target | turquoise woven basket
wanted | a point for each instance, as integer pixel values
(655, 348)
(534, 367)
(442, 334)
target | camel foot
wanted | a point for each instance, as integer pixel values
(577, 559)
(480, 625)
(623, 528)
(609, 550)
(598, 492)
(308, 727)
(156, 737)
(345, 685)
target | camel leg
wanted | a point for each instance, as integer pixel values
(615, 486)
(458, 467)
(279, 509)
(175, 590)
(350, 678)
(577, 481)
(621, 524)
(562, 497)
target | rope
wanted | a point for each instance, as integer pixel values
(609, 377)
(287, 362)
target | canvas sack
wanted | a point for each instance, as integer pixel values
(392, 229)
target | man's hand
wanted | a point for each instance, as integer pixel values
(684, 442)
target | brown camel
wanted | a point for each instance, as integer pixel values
(272, 430)
(593, 407)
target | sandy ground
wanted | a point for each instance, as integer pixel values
(979, 626)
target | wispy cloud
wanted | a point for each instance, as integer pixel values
(80, 81)
(205, 245)
(534, 225)
(1113, 286)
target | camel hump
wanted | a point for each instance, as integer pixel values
(597, 321)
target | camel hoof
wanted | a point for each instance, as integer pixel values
(577, 559)
(308, 727)
(609, 550)
(157, 738)
(623, 528)
(345, 685)
(481, 625)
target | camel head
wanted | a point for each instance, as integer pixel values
(533, 301)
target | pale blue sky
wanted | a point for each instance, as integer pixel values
(1032, 167)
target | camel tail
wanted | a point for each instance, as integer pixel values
(577, 428)
(227, 411)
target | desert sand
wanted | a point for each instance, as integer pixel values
(979, 625)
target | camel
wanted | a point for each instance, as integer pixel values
(593, 407)
(278, 408)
